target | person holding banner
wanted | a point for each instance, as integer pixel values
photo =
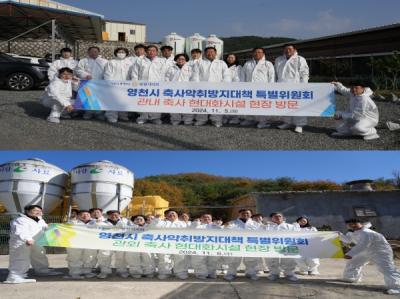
(258, 69)
(81, 261)
(362, 116)
(167, 262)
(92, 68)
(181, 71)
(370, 246)
(25, 231)
(150, 68)
(205, 266)
(307, 266)
(243, 222)
(292, 68)
(139, 263)
(118, 69)
(66, 60)
(278, 265)
(236, 73)
(105, 256)
(211, 69)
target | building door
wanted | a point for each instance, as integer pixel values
(121, 36)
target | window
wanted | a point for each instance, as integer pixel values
(133, 31)
(365, 212)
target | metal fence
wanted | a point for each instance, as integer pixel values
(5, 232)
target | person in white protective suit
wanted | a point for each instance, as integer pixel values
(167, 54)
(262, 265)
(66, 60)
(370, 246)
(307, 266)
(205, 266)
(139, 263)
(104, 257)
(118, 69)
(243, 222)
(210, 69)
(82, 261)
(152, 69)
(140, 52)
(24, 250)
(258, 69)
(292, 68)
(180, 72)
(58, 95)
(278, 265)
(196, 56)
(169, 262)
(236, 74)
(362, 115)
(92, 68)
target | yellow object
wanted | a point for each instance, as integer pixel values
(154, 205)
(106, 36)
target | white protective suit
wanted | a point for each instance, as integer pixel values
(104, 257)
(278, 265)
(293, 70)
(22, 256)
(251, 263)
(305, 264)
(169, 62)
(139, 263)
(204, 266)
(81, 261)
(371, 246)
(57, 96)
(59, 64)
(151, 71)
(210, 71)
(95, 68)
(176, 74)
(258, 71)
(361, 117)
(236, 75)
(167, 262)
(117, 69)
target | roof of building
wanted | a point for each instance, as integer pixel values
(19, 16)
(123, 22)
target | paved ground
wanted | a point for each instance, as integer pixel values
(23, 127)
(324, 286)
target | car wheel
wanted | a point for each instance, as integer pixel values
(20, 81)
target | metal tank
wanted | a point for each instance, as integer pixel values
(175, 41)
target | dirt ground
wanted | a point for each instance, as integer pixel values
(327, 285)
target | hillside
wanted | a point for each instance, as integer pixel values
(194, 189)
(238, 43)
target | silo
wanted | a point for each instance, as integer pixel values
(195, 41)
(31, 182)
(102, 184)
(175, 41)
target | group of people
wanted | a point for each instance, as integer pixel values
(360, 119)
(367, 245)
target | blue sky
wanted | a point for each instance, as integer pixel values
(337, 166)
(291, 18)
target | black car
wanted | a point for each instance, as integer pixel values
(21, 74)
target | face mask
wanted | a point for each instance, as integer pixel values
(121, 55)
(66, 81)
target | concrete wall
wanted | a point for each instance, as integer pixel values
(113, 28)
(332, 208)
